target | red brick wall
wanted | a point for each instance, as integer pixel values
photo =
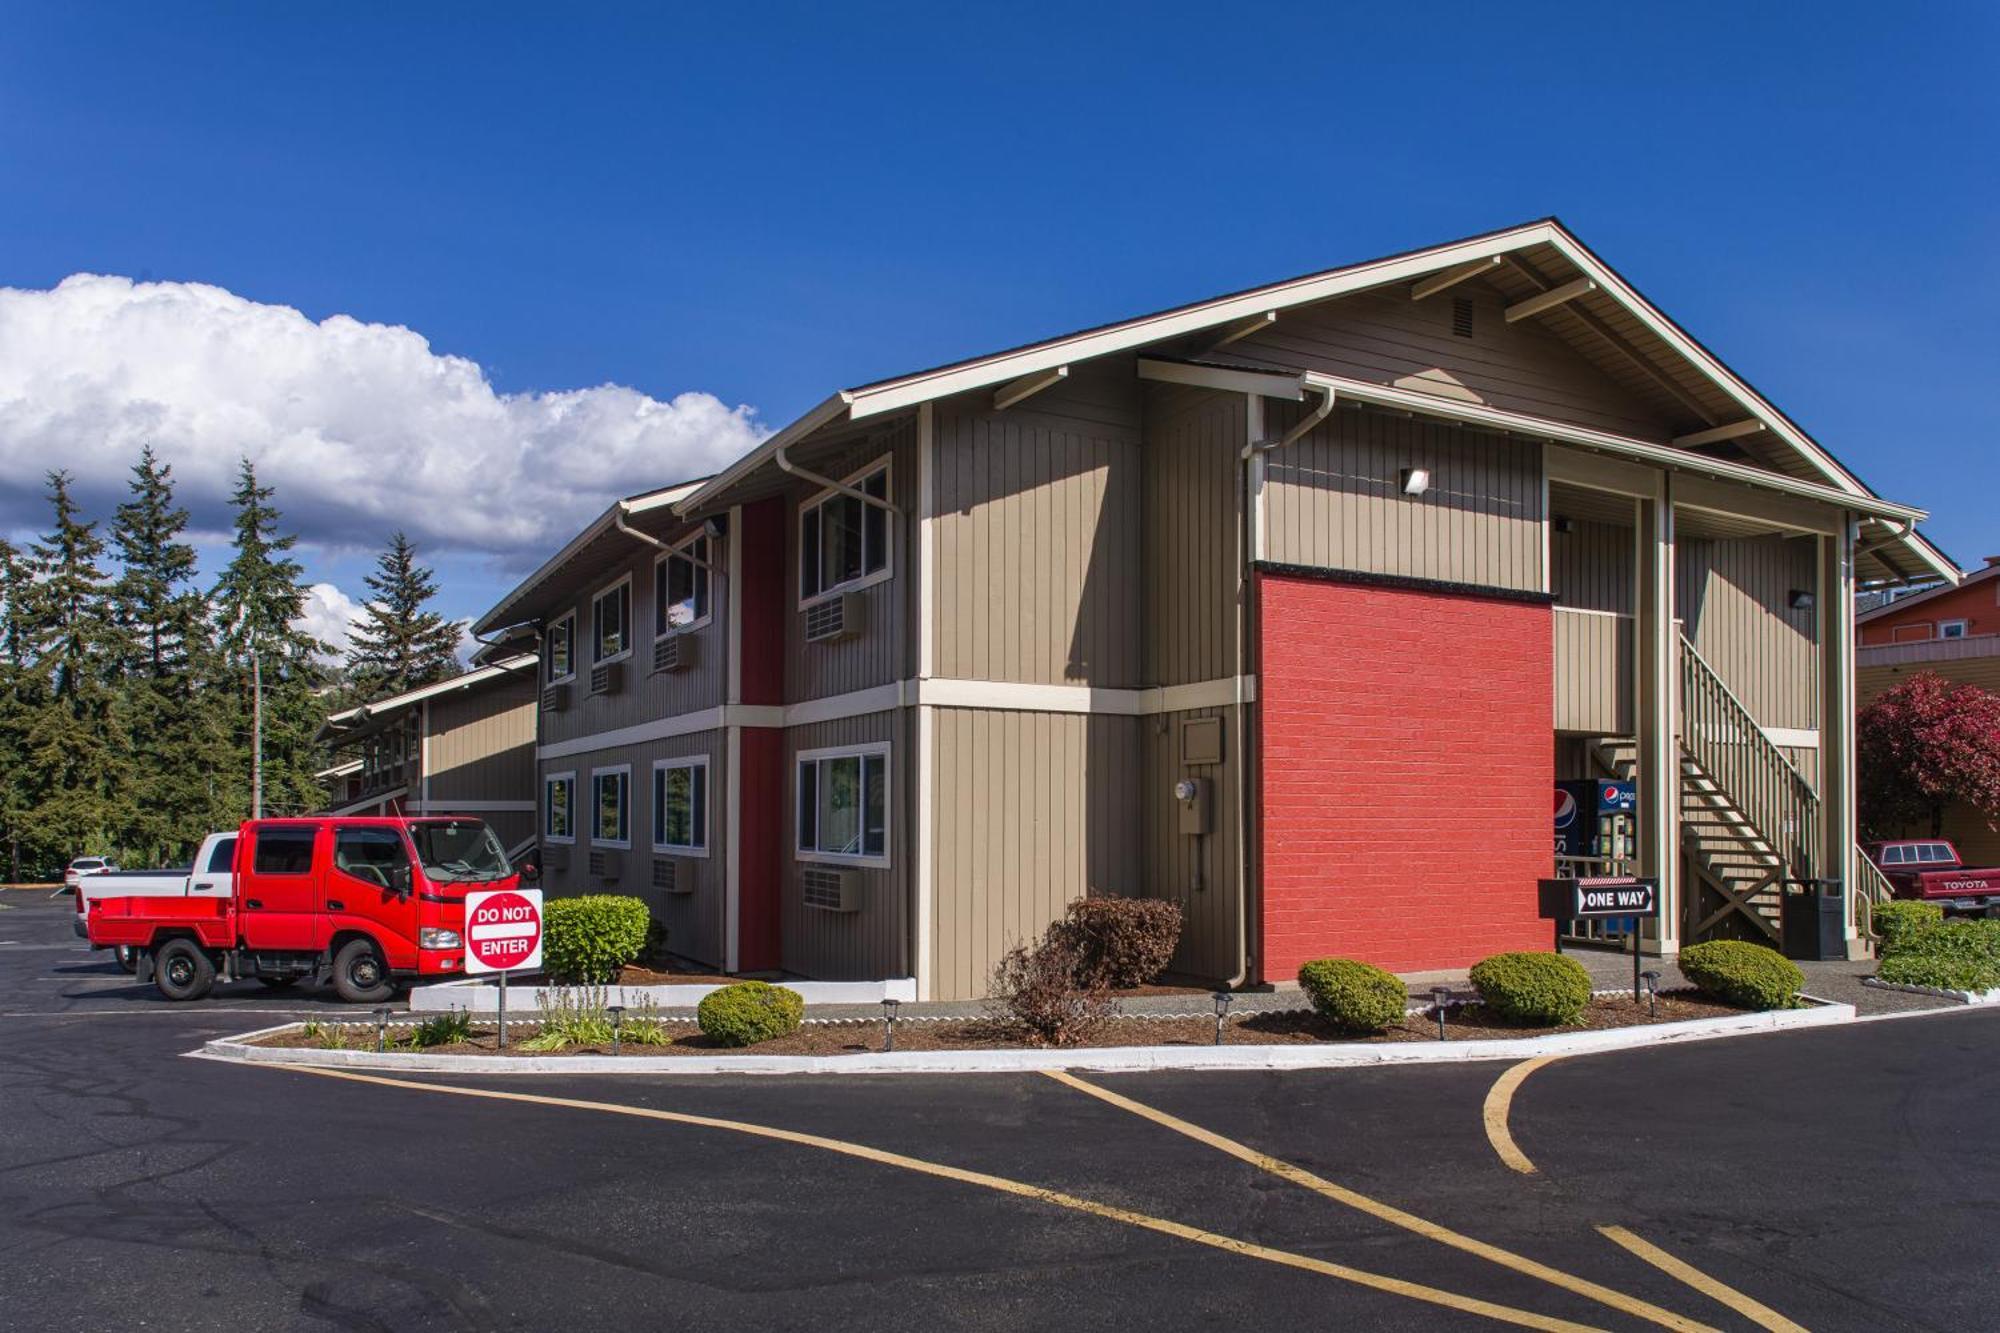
(1408, 755)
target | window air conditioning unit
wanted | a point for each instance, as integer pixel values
(676, 652)
(608, 678)
(555, 698)
(668, 878)
(606, 865)
(831, 890)
(836, 618)
(555, 856)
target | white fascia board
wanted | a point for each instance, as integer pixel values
(423, 692)
(894, 395)
(1267, 383)
(1659, 455)
(825, 414)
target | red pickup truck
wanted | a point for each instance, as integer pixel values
(1929, 869)
(366, 903)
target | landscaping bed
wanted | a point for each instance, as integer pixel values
(1470, 1022)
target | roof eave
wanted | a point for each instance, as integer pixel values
(497, 617)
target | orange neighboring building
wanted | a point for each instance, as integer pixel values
(1945, 612)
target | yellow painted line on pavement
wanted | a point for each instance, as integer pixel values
(1755, 1311)
(1228, 1244)
(1617, 1300)
(1499, 1102)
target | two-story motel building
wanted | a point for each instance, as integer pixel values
(1288, 606)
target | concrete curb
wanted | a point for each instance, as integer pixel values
(1110, 1059)
(481, 997)
(1959, 996)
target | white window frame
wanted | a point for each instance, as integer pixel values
(1954, 629)
(866, 749)
(690, 761)
(704, 571)
(568, 618)
(612, 770)
(886, 464)
(549, 780)
(596, 639)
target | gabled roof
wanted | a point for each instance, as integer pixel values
(1887, 609)
(1632, 340)
(353, 719)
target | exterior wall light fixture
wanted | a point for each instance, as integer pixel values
(1415, 480)
(1799, 599)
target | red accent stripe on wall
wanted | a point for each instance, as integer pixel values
(763, 601)
(760, 831)
(1408, 752)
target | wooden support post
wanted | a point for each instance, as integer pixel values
(1836, 723)
(1656, 660)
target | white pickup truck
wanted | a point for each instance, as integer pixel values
(213, 875)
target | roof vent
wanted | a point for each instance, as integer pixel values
(1461, 316)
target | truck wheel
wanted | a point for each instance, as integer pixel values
(127, 956)
(182, 971)
(359, 974)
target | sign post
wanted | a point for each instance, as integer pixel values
(1601, 897)
(503, 933)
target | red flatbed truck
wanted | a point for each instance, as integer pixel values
(367, 903)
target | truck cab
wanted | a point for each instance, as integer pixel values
(366, 903)
(1930, 870)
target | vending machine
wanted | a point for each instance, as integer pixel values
(1598, 820)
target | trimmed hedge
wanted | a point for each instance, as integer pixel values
(1120, 942)
(1540, 989)
(1737, 972)
(1899, 922)
(1353, 996)
(1954, 955)
(749, 1012)
(585, 940)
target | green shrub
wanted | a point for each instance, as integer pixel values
(1741, 973)
(749, 1012)
(1899, 922)
(1120, 942)
(587, 939)
(1954, 955)
(1542, 989)
(1353, 996)
(571, 1016)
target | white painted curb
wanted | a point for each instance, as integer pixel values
(1109, 1059)
(1961, 996)
(481, 997)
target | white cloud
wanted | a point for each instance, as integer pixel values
(362, 428)
(330, 616)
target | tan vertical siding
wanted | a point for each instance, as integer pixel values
(1193, 495)
(482, 742)
(1591, 567)
(1198, 872)
(873, 942)
(1334, 500)
(1032, 811)
(1593, 658)
(1732, 596)
(884, 651)
(1386, 338)
(1037, 536)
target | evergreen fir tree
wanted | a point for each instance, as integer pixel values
(75, 746)
(399, 645)
(18, 700)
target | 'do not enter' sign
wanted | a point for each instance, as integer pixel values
(503, 930)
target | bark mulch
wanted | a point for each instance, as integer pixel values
(1464, 1023)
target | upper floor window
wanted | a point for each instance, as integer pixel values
(611, 621)
(843, 541)
(1951, 629)
(559, 650)
(680, 588)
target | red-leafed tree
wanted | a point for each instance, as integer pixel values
(1922, 746)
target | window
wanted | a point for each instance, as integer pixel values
(459, 851)
(843, 541)
(373, 855)
(223, 859)
(559, 650)
(1951, 629)
(611, 621)
(680, 589)
(1935, 851)
(609, 807)
(680, 805)
(559, 807)
(284, 851)
(844, 804)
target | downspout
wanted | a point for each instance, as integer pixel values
(1247, 549)
(618, 522)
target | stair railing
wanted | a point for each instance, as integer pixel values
(1722, 736)
(1871, 886)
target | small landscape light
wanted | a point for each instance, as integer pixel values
(889, 1008)
(617, 1012)
(1652, 980)
(1223, 999)
(1439, 994)
(381, 1030)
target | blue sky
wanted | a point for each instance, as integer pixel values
(763, 203)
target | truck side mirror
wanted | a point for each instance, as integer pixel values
(401, 880)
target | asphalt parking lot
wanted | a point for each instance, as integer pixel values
(1828, 1179)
